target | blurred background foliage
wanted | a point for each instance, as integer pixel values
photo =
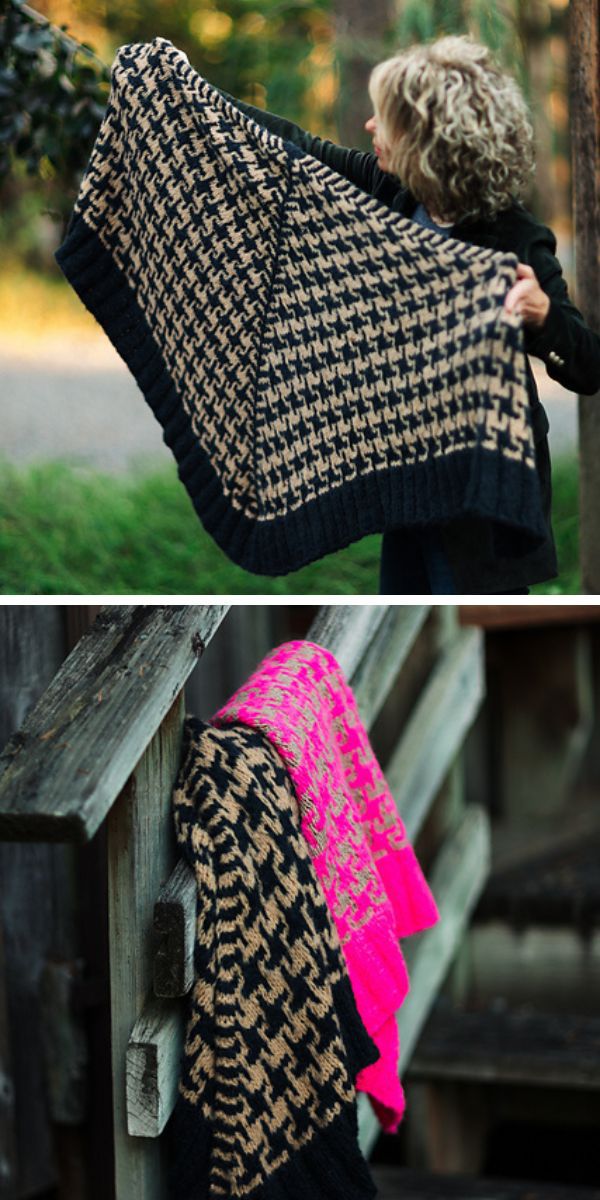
(307, 60)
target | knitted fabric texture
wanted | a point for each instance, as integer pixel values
(322, 368)
(372, 881)
(267, 1101)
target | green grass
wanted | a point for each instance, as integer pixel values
(68, 530)
(65, 530)
(565, 522)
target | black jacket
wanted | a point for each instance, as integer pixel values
(567, 346)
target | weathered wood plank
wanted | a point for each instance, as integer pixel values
(457, 879)
(527, 616)
(436, 729)
(141, 854)
(174, 933)
(60, 774)
(384, 656)
(152, 1068)
(356, 635)
(371, 679)
(346, 630)
(511, 1046)
(526, 965)
(557, 887)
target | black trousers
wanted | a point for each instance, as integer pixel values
(414, 563)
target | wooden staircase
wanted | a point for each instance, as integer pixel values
(487, 1059)
(495, 1028)
(101, 749)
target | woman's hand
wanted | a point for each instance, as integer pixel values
(527, 298)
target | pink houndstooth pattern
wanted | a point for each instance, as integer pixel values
(372, 881)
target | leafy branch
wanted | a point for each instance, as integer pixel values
(53, 92)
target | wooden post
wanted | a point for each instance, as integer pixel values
(141, 855)
(584, 39)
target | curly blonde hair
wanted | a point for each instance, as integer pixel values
(455, 125)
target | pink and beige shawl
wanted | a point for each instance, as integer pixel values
(372, 881)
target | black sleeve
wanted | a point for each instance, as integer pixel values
(358, 166)
(567, 346)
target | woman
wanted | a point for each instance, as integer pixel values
(453, 150)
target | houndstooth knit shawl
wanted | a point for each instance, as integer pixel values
(266, 1105)
(322, 367)
(372, 881)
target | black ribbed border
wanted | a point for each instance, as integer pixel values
(435, 492)
(329, 1166)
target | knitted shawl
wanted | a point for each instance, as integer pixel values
(372, 881)
(322, 367)
(266, 1105)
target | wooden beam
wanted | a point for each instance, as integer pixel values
(345, 630)
(457, 879)
(584, 88)
(62, 771)
(518, 616)
(437, 727)
(174, 933)
(384, 658)
(152, 1068)
(348, 629)
(557, 1050)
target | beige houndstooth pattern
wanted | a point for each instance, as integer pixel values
(314, 337)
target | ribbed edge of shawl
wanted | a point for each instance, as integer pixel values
(314, 1173)
(483, 484)
(327, 1168)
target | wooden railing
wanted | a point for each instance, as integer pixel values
(103, 743)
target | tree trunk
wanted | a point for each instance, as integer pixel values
(584, 38)
(360, 30)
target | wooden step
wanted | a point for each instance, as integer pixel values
(561, 887)
(509, 1046)
(398, 1183)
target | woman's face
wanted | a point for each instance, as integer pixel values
(380, 150)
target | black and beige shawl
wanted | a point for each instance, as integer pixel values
(266, 1107)
(322, 367)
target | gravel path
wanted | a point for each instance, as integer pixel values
(74, 398)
